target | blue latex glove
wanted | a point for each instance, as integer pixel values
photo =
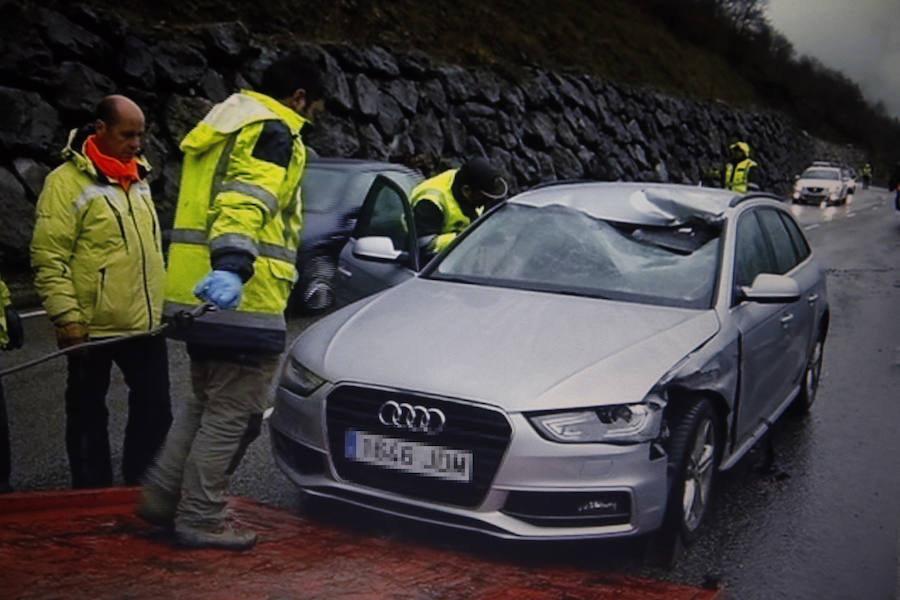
(222, 288)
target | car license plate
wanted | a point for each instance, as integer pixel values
(411, 457)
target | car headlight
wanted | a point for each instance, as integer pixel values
(299, 379)
(621, 423)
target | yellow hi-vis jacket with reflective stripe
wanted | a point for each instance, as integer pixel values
(234, 201)
(4, 302)
(96, 249)
(439, 190)
(736, 177)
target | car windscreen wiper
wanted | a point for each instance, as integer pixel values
(457, 278)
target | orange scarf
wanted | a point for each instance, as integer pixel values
(124, 172)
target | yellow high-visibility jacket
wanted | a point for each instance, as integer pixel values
(4, 302)
(439, 190)
(96, 249)
(240, 195)
(737, 176)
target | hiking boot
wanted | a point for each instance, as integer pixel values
(226, 538)
(157, 506)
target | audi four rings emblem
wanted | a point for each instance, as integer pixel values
(413, 418)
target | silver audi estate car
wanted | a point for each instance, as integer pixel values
(580, 363)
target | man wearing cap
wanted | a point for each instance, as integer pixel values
(741, 172)
(444, 205)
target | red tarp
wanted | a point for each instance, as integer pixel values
(88, 544)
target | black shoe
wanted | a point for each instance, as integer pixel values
(157, 506)
(226, 538)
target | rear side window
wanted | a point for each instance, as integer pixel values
(752, 252)
(782, 244)
(800, 243)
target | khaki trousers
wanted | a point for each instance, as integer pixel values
(210, 435)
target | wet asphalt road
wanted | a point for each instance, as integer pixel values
(826, 525)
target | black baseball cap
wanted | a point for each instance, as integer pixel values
(482, 176)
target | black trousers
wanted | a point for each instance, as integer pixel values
(4, 443)
(144, 363)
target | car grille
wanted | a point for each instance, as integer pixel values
(484, 432)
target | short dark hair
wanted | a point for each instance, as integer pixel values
(107, 111)
(289, 73)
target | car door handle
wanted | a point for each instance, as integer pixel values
(344, 271)
(812, 298)
(785, 319)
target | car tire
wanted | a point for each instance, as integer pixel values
(694, 447)
(809, 385)
(314, 293)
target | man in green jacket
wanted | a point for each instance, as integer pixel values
(237, 228)
(97, 256)
(444, 205)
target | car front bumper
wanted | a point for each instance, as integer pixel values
(540, 490)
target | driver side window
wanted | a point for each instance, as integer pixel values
(387, 218)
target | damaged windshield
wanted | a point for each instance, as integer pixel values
(563, 250)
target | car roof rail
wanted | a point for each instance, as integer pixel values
(556, 182)
(753, 196)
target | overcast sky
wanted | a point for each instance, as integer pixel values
(860, 38)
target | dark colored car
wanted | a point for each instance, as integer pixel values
(332, 191)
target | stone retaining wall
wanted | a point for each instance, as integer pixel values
(537, 125)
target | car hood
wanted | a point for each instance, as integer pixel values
(823, 183)
(520, 350)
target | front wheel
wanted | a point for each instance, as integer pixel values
(694, 449)
(314, 293)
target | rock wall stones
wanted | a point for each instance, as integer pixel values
(537, 125)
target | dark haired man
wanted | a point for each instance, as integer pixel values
(97, 256)
(894, 184)
(444, 205)
(236, 233)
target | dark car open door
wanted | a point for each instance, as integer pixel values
(382, 251)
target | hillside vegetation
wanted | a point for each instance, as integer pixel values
(706, 49)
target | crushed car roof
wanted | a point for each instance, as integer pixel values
(656, 204)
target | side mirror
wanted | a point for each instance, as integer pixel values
(769, 288)
(376, 247)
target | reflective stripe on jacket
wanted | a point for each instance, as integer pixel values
(4, 302)
(235, 199)
(737, 177)
(439, 190)
(96, 249)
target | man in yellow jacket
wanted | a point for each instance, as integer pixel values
(741, 172)
(11, 337)
(236, 234)
(97, 256)
(444, 205)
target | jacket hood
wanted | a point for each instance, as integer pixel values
(234, 113)
(744, 147)
(517, 349)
